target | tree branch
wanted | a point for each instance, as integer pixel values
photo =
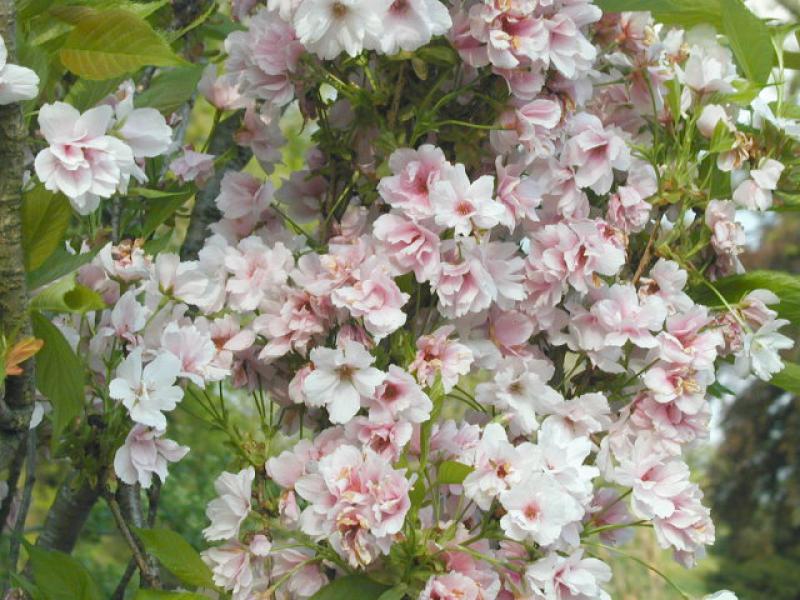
(139, 556)
(68, 514)
(205, 210)
(25, 503)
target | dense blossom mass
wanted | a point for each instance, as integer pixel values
(478, 339)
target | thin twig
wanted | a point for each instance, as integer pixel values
(648, 252)
(25, 503)
(119, 591)
(153, 496)
(14, 471)
(133, 543)
(398, 92)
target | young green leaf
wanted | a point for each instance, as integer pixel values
(45, 218)
(61, 577)
(351, 587)
(114, 42)
(59, 264)
(59, 373)
(452, 472)
(170, 89)
(750, 40)
(788, 379)
(84, 93)
(66, 295)
(735, 287)
(686, 13)
(177, 556)
(398, 592)
(147, 594)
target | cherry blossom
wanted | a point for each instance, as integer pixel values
(147, 391)
(341, 378)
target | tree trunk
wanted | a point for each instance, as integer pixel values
(68, 514)
(16, 396)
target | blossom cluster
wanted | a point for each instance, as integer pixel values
(471, 371)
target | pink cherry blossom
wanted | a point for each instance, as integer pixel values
(409, 245)
(341, 378)
(16, 83)
(569, 577)
(537, 509)
(144, 454)
(193, 166)
(374, 296)
(450, 586)
(147, 392)
(594, 152)
(414, 173)
(399, 397)
(82, 161)
(262, 59)
(228, 511)
(256, 270)
(438, 355)
(409, 24)
(756, 193)
(464, 205)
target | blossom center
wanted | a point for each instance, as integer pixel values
(464, 208)
(531, 512)
(345, 372)
(390, 392)
(399, 6)
(339, 10)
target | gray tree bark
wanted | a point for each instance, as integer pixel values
(16, 394)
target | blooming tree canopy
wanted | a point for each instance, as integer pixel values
(474, 328)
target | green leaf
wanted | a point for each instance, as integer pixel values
(686, 13)
(788, 201)
(722, 139)
(66, 295)
(420, 68)
(417, 493)
(74, 12)
(788, 379)
(170, 89)
(750, 40)
(452, 472)
(45, 218)
(59, 576)
(177, 556)
(735, 287)
(85, 93)
(438, 55)
(398, 592)
(59, 373)
(59, 264)
(351, 587)
(718, 390)
(161, 208)
(147, 594)
(114, 42)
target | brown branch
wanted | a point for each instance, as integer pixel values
(648, 254)
(150, 577)
(153, 495)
